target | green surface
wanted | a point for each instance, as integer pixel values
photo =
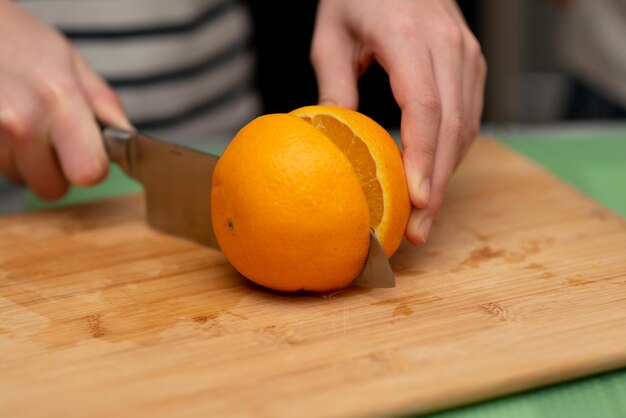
(594, 164)
(116, 184)
(601, 396)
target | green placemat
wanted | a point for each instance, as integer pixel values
(596, 166)
(601, 396)
(116, 184)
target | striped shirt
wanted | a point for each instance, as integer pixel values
(184, 69)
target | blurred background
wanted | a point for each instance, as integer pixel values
(531, 46)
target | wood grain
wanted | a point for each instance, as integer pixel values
(522, 284)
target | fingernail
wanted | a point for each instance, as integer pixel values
(425, 227)
(420, 193)
(124, 123)
(128, 126)
(116, 118)
(328, 102)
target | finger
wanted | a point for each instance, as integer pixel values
(104, 102)
(478, 95)
(25, 154)
(7, 161)
(473, 60)
(447, 61)
(76, 138)
(7, 124)
(414, 87)
(418, 226)
(479, 91)
(336, 70)
(37, 165)
(473, 84)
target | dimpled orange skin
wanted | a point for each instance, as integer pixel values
(288, 209)
(389, 170)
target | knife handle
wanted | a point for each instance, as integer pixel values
(117, 145)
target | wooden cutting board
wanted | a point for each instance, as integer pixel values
(522, 284)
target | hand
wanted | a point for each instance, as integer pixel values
(49, 102)
(437, 75)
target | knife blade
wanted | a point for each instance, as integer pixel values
(177, 188)
(377, 271)
(176, 182)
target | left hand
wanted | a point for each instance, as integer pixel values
(437, 74)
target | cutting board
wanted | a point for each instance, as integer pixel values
(522, 284)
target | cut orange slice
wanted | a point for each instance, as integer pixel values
(377, 162)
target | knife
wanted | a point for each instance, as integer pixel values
(177, 187)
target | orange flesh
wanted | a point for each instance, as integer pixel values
(360, 158)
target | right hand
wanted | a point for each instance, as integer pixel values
(437, 75)
(50, 100)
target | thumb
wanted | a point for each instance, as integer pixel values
(332, 57)
(104, 102)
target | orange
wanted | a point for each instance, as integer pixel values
(294, 197)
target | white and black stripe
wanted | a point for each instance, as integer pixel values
(182, 68)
